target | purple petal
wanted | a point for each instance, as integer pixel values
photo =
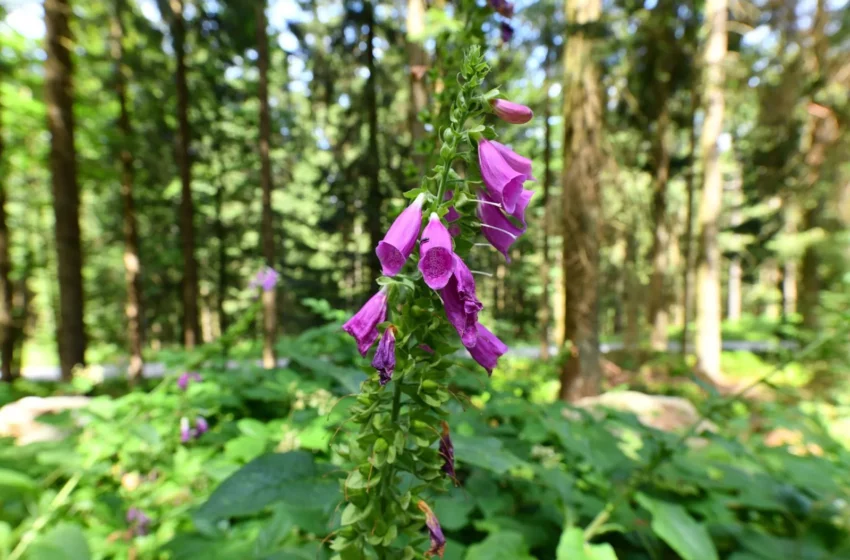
(511, 112)
(461, 304)
(488, 349)
(447, 451)
(495, 226)
(521, 165)
(384, 360)
(502, 181)
(521, 205)
(363, 326)
(436, 259)
(438, 541)
(397, 245)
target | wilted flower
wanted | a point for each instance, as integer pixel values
(438, 541)
(461, 303)
(507, 32)
(384, 360)
(511, 112)
(502, 7)
(400, 239)
(266, 279)
(503, 182)
(186, 432)
(436, 259)
(495, 226)
(139, 522)
(447, 451)
(363, 326)
(426, 348)
(201, 426)
(186, 377)
(488, 349)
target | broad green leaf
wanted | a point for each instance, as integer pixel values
(15, 480)
(506, 545)
(66, 541)
(453, 510)
(244, 448)
(485, 452)
(572, 547)
(349, 378)
(277, 528)
(292, 478)
(674, 525)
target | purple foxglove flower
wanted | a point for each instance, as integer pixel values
(447, 452)
(201, 426)
(186, 377)
(266, 279)
(461, 304)
(507, 31)
(138, 521)
(436, 259)
(452, 215)
(521, 205)
(384, 360)
(502, 7)
(438, 541)
(363, 326)
(185, 431)
(495, 226)
(510, 112)
(400, 239)
(488, 349)
(503, 182)
(518, 163)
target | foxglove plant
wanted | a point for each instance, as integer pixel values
(419, 318)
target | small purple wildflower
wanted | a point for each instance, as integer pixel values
(201, 426)
(138, 521)
(267, 279)
(438, 541)
(186, 432)
(384, 360)
(186, 377)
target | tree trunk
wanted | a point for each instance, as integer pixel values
(545, 265)
(375, 197)
(191, 326)
(7, 324)
(581, 374)
(769, 280)
(269, 304)
(708, 342)
(631, 340)
(66, 196)
(418, 64)
(658, 314)
(791, 213)
(734, 295)
(690, 185)
(221, 236)
(132, 263)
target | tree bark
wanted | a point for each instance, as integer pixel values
(581, 374)
(375, 197)
(191, 326)
(7, 323)
(659, 298)
(545, 313)
(418, 65)
(269, 296)
(631, 339)
(734, 294)
(132, 262)
(708, 341)
(66, 195)
(690, 185)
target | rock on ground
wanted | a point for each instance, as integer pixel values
(670, 414)
(20, 418)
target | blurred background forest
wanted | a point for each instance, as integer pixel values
(690, 235)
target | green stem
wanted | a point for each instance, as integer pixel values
(447, 164)
(45, 517)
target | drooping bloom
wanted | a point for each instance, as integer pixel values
(503, 182)
(400, 239)
(488, 349)
(138, 521)
(518, 163)
(460, 302)
(436, 259)
(363, 326)
(495, 226)
(438, 541)
(266, 279)
(502, 7)
(521, 205)
(201, 426)
(185, 431)
(186, 377)
(507, 31)
(447, 451)
(384, 360)
(510, 112)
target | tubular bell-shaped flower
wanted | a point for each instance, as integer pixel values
(495, 226)
(521, 205)
(363, 326)
(461, 304)
(438, 541)
(503, 182)
(518, 163)
(185, 430)
(447, 451)
(510, 112)
(201, 426)
(384, 360)
(488, 349)
(436, 258)
(400, 239)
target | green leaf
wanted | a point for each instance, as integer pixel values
(277, 477)
(674, 525)
(349, 378)
(17, 481)
(453, 510)
(572, 547)
(277, 528)
(66, 541)
(506, 545)
(244, 448)
(352, 514)
(485, 452)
